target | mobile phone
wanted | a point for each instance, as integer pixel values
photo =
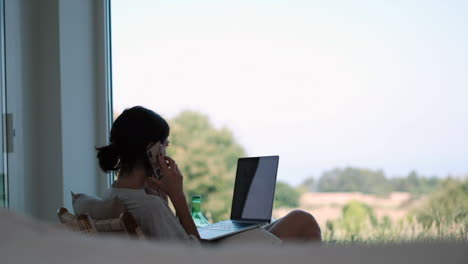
(153, 152)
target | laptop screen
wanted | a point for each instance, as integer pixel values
(254, 189)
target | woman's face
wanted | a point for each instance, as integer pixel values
(165, 145)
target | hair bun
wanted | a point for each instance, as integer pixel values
(108, 157)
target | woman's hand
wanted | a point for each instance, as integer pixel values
(172, 184)
(172, 181)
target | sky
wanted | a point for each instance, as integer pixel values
(324, 84)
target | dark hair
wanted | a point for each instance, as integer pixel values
(130, 135)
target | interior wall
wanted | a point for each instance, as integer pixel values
(77, 72)
(57, 95)
(47, 119)
(19, 34)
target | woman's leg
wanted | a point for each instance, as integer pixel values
(296, 226)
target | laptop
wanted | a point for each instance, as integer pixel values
(252, 202)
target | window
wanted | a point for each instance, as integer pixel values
(363, 101)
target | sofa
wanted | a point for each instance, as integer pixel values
(27, 240)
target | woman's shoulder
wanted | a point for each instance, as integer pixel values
(135, 195)
(112, 192)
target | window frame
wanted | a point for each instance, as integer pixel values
(108, 75)
(3, 130)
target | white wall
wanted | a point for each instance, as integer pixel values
(56, 89)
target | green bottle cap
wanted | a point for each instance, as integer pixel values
(196, 198)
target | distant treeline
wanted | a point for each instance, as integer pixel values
(371, 182)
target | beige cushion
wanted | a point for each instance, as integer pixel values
(96, 207)
(27, 240)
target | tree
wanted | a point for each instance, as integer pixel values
(447, 206)
(356, 221)
(356, 216)
(354, 180)
(207, 158)
(415, 184)
(374, 182)
(286, 196)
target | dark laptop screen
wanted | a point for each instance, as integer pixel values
(254, 189)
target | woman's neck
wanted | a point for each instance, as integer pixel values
(135, 179)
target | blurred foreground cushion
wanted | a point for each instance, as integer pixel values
(96, 207)
(28, 240)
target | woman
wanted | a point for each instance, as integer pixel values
(147, 197)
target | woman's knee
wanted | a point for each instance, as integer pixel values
(306, 219)
(302, 216)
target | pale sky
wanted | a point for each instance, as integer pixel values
(324, 84)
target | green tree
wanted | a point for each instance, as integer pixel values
(357, 219)
(207, 157)
(286, 196)
(374, 182)
(356, 215)
(446, 207)
(354, 180)
(415, 184)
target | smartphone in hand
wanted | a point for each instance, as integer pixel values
(152, 153)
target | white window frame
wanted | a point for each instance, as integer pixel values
(3, 132)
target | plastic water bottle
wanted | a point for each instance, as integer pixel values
(199, 219)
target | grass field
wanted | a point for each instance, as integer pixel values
(356, 217)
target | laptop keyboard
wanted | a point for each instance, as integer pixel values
(227, 226)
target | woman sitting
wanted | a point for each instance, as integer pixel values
(146, 197)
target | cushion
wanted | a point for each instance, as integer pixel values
(27, 240)
(96, 207)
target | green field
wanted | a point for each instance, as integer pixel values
(443, 215)
(358, 224)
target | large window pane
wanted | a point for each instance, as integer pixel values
(364, 101)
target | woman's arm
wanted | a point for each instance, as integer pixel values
(172, 184)
(184, 215)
